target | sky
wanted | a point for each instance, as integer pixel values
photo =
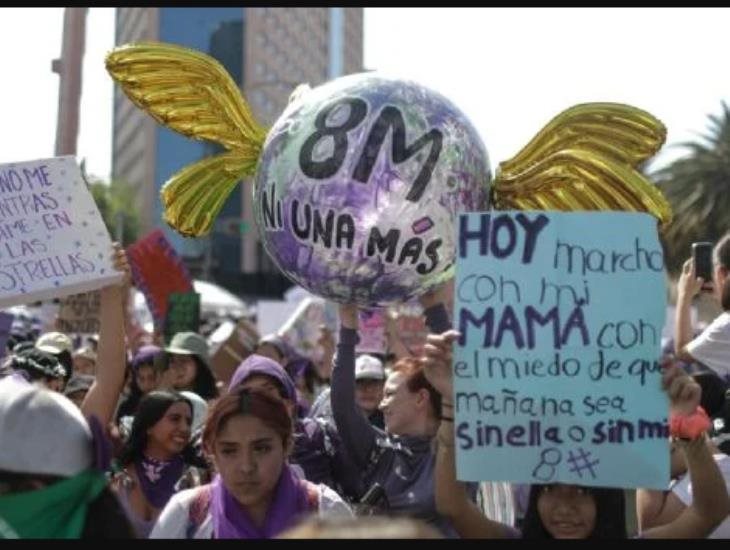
(510, 70)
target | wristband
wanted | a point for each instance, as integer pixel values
(689, 426)
(447, 418)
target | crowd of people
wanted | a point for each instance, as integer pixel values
(139, 439)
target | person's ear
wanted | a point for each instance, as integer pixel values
(423, 398)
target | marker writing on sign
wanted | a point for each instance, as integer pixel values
(493, 230)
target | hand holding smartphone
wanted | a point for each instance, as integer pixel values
(702, 257)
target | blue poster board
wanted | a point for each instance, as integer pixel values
(556, 374)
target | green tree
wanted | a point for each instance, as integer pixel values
(115, 201)
(698, 188)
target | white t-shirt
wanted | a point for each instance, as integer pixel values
(174, 519)
(712, 347)
(683, 491)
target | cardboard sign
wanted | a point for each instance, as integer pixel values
(53, 241)
(229, 345)
(556, 375)
(79, 314)
(157, 271)
(183, 314)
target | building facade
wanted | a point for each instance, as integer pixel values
(268, 52)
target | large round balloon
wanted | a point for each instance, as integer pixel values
(359, 184)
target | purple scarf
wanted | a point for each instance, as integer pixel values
(158, 478)
(231, 521)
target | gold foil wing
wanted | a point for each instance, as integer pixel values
(191, 93)
(586, 158)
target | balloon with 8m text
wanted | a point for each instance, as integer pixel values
(359, 184)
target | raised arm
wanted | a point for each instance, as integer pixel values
(101, 400)
(710, 502)
(687, 287)
(452, 500)
(356, 432)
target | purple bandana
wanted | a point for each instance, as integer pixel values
(257, 364)
(158, 478)
(231, 521)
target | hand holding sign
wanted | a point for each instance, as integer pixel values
(438, 362)
(684, 393)
(52, 238)
(556, 372)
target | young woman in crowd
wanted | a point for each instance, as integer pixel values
(317, 450)
(712, 346)
(187, 366)
(571, 511)
(400, 459)
(155, 457)
(256, 494)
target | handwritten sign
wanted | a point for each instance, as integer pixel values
(157, 271)
(79, 314)
(556, 376)
(372, 332)
(53, 241)
(230, 344)
(183, 314)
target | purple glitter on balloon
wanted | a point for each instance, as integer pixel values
(359, 185)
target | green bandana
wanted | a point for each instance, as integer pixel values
(55, 512)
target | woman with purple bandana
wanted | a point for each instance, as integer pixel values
(155, 457)
(317, 451)
(256, 494)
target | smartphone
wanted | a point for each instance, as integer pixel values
(702, 256)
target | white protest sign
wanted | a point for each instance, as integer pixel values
(53, 241)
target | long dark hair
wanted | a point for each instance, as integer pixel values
(610, 515)
(152, 408)
(204, 383)
(722, 259)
